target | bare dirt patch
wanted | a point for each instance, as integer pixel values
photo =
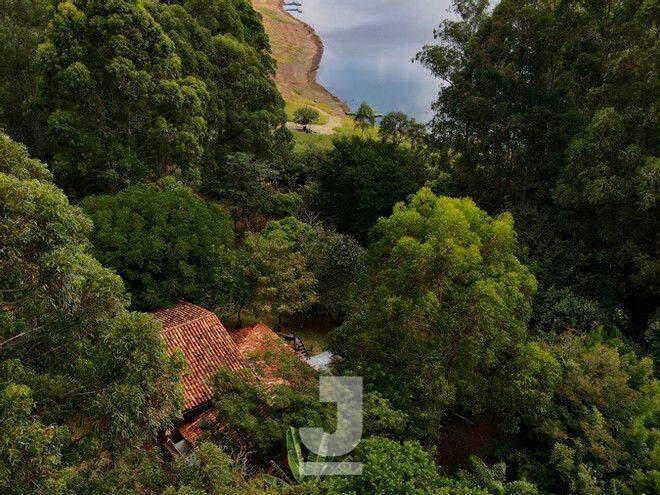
(298, 51)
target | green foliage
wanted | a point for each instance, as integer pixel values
(380, 419)
(609, 189)
(362, 180)
(294, 457)
(599, 433)
(441, 312)
(283, 281)
(166, 243)
(493, 479)
(77, 370)
(245, 111)
(215, 474)
(305, 116)
(263, 411)
(119, 107)
(397, 127)
(390, 468)
(250, 186)
(121, 92)
(560, 310)
(14, 160)
(22, 24)
(331, 257)
(549, 110)
(30, 452)
(365, 117)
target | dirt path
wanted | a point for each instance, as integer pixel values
(328, 128)
(298, 51)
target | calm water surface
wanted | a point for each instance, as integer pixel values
(369, 45)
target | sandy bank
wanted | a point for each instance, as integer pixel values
(298, 51)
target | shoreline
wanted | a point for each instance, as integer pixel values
(313, 71)
(298, 51)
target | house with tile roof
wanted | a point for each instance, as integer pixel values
(205, 343)
(208, 347)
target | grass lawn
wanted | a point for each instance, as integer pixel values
(297, 102)
(305, 140)
(348, 128)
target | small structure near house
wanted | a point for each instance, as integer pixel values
(321, 362)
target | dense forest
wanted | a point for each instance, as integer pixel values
(492, 276)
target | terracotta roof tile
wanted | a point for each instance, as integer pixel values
(258, 338)
(205, 343)
(192, 430)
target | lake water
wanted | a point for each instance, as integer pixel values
(369, 45)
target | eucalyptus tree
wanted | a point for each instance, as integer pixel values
(79, 372)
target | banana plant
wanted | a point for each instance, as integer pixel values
(294, 454)
(296, 458)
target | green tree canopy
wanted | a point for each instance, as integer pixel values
(261, 411)
(282, 280)
(441, 312)
(121, 92)
(365, 116)
(600, 432)
(305, 116)
(166, 243)
(250, 186)
(390, 467)
(245, 111)
(362, 179)
(549, 110)
(333, 259)
(77, 369)
(22, 25)
(397, 127)
(120, 108)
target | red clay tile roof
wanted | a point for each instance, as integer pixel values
(192, 430)
(205, 343)
(257, 338)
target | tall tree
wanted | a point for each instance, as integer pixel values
(120, 108)
(333, 259)
(549, 110)
(441, 312)
(166, 243)
(305, 116)
(246, 111)
(159, 92)
(250, 186)
(77, 369)
(283, 282)
(22, 26)
(365, 117)
(362, 179)
(598, 433)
